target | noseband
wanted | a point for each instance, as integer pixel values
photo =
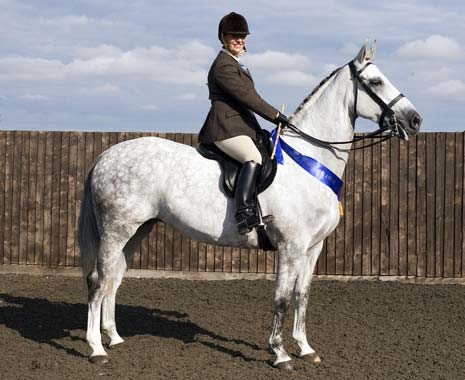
(387, 111)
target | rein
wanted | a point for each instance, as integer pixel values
(387, 121)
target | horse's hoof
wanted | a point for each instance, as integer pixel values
(115, 343)
(312, 358)
(286, 366)
(99, 359)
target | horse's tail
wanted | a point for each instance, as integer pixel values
(89, 237)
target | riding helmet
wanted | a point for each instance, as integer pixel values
(233, 23)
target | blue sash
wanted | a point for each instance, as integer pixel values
(309, 164)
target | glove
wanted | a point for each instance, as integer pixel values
(281, 118)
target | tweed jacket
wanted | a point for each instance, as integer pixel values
(233, 102)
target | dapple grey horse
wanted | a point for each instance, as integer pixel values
(150, 179)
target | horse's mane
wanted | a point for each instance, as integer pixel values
(307, 99)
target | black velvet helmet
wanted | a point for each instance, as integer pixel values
(233, 23)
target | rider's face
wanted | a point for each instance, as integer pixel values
(235, 43)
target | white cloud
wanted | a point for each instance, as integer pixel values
(188, 96)
(149, 107)
(435, 47)
(449, 89)
(34, 97)
(185, 64)
(292, 78)
(277, 60)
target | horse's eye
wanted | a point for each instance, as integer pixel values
(376, 82)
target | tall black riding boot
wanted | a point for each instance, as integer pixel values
(245, 198)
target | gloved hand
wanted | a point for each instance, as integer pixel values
(281, 118)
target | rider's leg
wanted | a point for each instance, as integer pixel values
(243, 149)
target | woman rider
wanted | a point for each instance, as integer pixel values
(231, 124)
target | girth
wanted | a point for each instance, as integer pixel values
(231, 168)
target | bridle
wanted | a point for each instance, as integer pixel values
(391, 120)
(387, 121)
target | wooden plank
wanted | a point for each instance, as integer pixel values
(439, 203)
(8, 194)
(71, 235)
(248, 260)
(202, 257)
(349, 215)
(227, 259)
(194, 258)
(462, 253)
(218, 259)
(55, 205)
(448, 227)
(64, 192)
(236, 260)
(2, 193)
(31, 200)
(430, 204)
(394, 209)
(160, 227)
(376, 210)
(152, 246)
(24, 195)
(16, 199)
(81, 175)
(46, 245)
(412, 261)
(105, 141)
(421, 204)
(358, 212)
(403, 202)
(367, 209)
(459, 204)
(385, 217)
(210, 258)
(144, 253)
(261, 261)
(113, 138)
(39, 199)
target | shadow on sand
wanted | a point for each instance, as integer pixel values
(44, 321)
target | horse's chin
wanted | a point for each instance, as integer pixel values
(403, 132)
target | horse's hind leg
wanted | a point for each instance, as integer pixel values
(304, 277)
(108, 270)
(108, 303)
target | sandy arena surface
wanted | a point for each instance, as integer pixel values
(178, 329)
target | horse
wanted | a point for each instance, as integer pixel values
(140, 181)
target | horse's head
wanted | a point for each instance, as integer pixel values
(377, 99)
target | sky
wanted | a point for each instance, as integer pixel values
(94, 65)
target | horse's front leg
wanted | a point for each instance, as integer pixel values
(285, 282)
(302, 287)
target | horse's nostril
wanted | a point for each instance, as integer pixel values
(416, 121)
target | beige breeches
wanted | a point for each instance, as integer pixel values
(241, 148)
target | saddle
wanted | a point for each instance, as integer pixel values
(231, 168)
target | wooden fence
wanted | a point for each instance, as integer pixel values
(403, 202)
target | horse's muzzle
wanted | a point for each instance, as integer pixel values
(414, 121)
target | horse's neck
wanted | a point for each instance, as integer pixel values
(326, 117)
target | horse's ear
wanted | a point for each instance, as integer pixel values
(372, 51)
(362, 54)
